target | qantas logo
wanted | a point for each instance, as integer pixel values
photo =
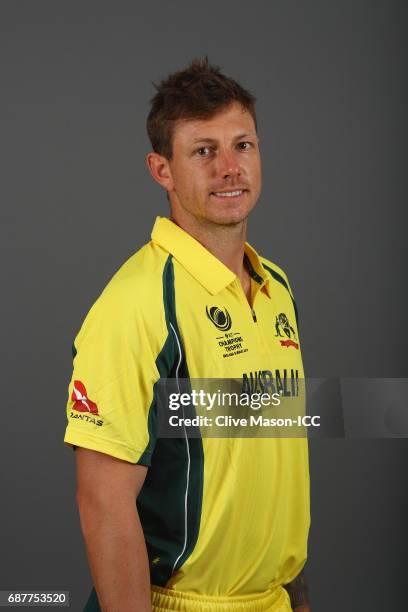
(81, 399)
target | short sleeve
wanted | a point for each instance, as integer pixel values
(111, 393)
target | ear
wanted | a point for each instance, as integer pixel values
(159, 168)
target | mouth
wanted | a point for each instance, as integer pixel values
(229, 195)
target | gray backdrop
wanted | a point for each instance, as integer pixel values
(77, 200)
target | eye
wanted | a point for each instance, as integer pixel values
(203, 151)
(245, 145)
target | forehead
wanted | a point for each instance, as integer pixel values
(229, 122)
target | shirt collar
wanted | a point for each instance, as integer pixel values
(200, 263)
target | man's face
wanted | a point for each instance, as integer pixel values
(216, 167)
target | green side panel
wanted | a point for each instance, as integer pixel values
(172, 492)
(195, 445)
(282, 281)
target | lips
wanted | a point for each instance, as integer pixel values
(232, 193)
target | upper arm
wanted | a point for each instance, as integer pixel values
(102, 477)
(112, 393)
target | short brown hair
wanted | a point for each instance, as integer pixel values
(198, 92)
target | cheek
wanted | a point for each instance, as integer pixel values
(196, 181)
(187, 176)
(179, 177)
(256, 171)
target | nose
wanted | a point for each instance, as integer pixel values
(228, 164)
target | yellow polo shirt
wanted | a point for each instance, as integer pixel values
(221, 516)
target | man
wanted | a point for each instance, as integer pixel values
(219, 524)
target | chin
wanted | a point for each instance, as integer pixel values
(228, 217)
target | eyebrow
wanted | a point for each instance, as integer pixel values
(214, 141)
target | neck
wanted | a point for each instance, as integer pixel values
(225, 242)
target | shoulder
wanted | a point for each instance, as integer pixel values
(134, 295)
(140, 279)
(280, 277)
(276, 272)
